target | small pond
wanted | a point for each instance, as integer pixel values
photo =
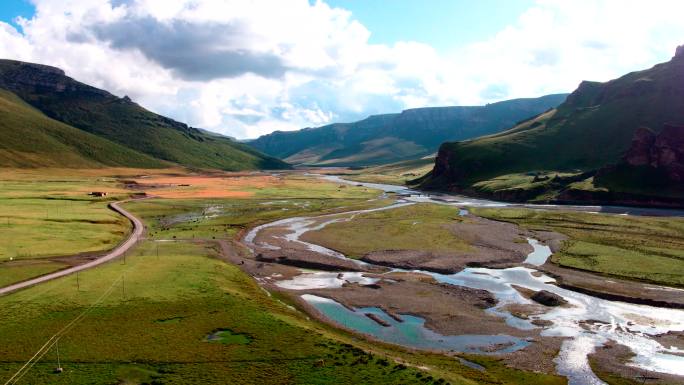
(411, 332)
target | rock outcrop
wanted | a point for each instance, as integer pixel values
(548, 298)
(663, 152)
(679, 53)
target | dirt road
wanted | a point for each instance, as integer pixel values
(138, 228)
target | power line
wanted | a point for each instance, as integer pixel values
(52, 340)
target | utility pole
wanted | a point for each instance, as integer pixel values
(58, 369)
(78, 284)
(123, 287)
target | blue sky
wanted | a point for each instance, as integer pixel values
(444, 24)
(10, 9)
(247, 68)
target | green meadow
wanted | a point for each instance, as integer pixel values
(153, 325)
(44, 217)
(400, 173)
(175, 313)
(647, 249)
(414, 227)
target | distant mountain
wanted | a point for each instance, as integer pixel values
(557, 154)
(121, 121)
(389, 138)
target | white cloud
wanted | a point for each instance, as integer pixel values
(248, 68)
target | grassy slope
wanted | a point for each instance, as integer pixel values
(415, 227)
(124, 122)
(399, 173)
(642, 248)
(31, 139)
(590, 130)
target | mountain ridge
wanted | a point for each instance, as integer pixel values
(124, 122)
(386, 138)
(591, 130)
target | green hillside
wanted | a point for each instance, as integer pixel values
(31, 139)
(122, 121)
(592, 129)
(388, 138)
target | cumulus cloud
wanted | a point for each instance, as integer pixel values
(195, 51)
(248, 68)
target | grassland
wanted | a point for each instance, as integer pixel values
(261, 199)
(168, 297)
(155, 328)
(400, 173)
(414, 227)
(46, 216)
(648, 249)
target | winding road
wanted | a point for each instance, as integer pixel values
(138, 228)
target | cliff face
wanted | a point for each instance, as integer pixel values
(664, 152)
(597, 126)
(30, 78)
(680, 51)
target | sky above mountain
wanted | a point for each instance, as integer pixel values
(246, 68)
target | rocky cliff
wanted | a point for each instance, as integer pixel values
(662, 153)
(596, 131)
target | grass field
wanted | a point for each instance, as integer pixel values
(162, 307)
(400, 173)
(155, 328)
(414, 227)
(21, 270)
(49, 214)
(155, 332)
(267, 199)
(45, 215)
(643, 248)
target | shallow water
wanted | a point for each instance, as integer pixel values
(540, 253)
(631, 325)
(411, 332)
(460, 200)
(325, 280)
(589, 321)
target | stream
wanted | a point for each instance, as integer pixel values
(588, 322)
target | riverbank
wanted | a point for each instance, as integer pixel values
(382, 294)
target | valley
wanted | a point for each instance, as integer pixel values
(354, 275)
(341, 193)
